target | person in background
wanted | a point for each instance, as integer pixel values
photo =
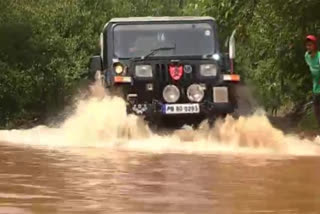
(312, 58)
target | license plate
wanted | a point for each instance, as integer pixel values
(181, 108)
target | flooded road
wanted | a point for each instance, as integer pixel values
(101, 160)
(41, 180)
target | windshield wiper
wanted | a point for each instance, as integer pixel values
(158, 49)
(153, 51)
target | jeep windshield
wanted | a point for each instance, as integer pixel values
(138, 40)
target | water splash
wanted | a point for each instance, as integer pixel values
(101, 121)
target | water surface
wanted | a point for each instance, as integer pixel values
(95, 180)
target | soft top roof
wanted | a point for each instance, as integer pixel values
(159, 19)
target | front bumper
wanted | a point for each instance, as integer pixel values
(206, 108)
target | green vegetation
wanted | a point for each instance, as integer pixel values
(308, 122)
(45, 46)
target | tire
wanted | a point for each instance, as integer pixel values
(214, 118)
(243, 100)
(155, 123)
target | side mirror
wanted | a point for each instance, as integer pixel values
(95, 65)
(232, 46)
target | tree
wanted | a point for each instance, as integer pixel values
(45, 45)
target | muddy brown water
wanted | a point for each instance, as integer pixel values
(42, 180)
(100, 160)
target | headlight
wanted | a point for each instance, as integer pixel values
(208, 70)
(171, 94)
(143, 71)
(118, 68)
(195, 93)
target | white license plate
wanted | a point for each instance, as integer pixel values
(181, 108)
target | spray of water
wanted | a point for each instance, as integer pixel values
(101, 121)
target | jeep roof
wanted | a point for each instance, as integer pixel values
(163, 18)
(159, 19)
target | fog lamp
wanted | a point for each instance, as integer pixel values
(220, 95)
(171, 93)
(195, 93)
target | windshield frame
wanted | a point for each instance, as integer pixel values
(211, 23)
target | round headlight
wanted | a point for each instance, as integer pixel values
(118, 68)
(171, 93)
(195, 93)
(208, 70)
